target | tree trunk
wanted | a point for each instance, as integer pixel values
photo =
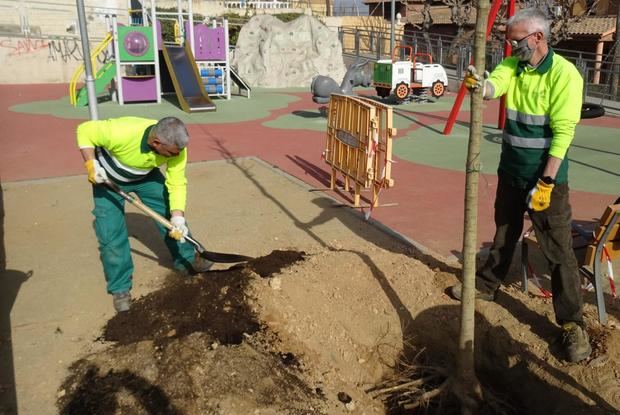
(615, 75)
(468, 387)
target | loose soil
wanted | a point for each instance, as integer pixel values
(337, 328)
(332, 331)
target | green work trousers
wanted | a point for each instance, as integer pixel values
(111, 229)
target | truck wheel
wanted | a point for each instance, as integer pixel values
(401, 91)
(383, 92)
(438, 89)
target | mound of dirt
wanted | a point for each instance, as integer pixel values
(195, 346)
(216, 305)
(344, 329)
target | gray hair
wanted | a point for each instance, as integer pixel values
(171, 131)
(537, 20)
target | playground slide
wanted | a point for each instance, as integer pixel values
(104, 76)
(240, 82)
(186, 79)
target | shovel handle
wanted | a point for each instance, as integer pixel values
(138, 203)
(210, 255)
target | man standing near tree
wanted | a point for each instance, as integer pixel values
(543, 105)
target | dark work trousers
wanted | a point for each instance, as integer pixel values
(553, 232)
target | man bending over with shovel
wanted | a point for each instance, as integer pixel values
(128, 152)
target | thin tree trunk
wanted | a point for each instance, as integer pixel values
(468, 387)
(615, 75)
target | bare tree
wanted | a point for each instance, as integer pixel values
(562, 14)
(467, 387)
(460, 13)
(427, 20)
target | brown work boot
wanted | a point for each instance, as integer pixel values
(201, 264)
(457, 292)
(576, 342)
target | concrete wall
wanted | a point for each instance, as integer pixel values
(31, 60)
(40, 43)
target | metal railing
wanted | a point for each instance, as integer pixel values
(455, 53)
(257, 4)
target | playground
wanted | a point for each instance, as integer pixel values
(257, 185)
(343, 306)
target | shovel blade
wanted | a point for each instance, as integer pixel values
(224, 258)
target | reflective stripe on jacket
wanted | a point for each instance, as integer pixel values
(543, 106)
(122, 149)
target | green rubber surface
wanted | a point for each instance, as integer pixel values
(237, 109)
(594, 154)
(314, 120)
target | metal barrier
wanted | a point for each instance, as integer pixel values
(359, 144)
(255, 4)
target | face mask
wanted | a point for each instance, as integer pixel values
(523, 53)
(521, 49)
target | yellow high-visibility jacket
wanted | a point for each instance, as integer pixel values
(543, 106)
(122, 150)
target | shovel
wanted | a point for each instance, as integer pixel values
(210, 255)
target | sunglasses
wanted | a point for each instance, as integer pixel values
(520, 42)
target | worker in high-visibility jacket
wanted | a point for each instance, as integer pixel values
(543, 105)
(128, 151)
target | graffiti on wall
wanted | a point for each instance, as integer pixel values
(25, 46)
(59, 50)
(64, 50)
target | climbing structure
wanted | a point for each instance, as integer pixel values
(194, 64)
(212, 57)
(137, 63)
(130, 69)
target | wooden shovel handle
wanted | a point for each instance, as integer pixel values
(138, 203)
(210, 255)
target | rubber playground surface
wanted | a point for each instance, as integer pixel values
(287, 130)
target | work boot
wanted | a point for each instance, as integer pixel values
(201, 264)
(576, 342)
(456, 292)
(122, 301)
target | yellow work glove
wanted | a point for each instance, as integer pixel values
(473, 81)
(96, 173)
(539, 197)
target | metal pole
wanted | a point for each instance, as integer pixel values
(392, 18)
(192, 44)
(88, 68)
